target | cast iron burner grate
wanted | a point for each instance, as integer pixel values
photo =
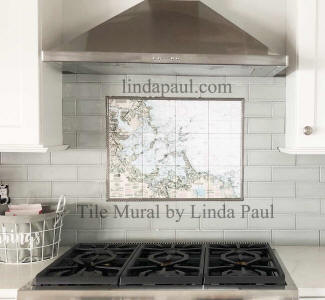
(165, 264)
(171, 264)
(88, 264)
(242, 264)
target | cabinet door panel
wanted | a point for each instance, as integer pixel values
(19, 76)
(305, 77)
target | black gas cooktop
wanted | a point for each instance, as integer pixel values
(165, 264)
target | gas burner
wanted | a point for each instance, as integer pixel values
(168, 257)
(240, 257)
(242, 264)
(172, 264)
(88, 264)
(98, 261)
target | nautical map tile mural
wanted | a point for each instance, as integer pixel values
(174, 148)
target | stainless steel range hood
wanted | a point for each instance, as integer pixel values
(181, 37)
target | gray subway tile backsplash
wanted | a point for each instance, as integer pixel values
(296, 205)
(78, 189)
(270, 158)
(267, 92)
(258, 109)
(28, 189)
(311, 160)
(84, 123)
(66, 78)
(237, 222)
(310, 221)
(279, 221)
(295, 237)
(258, 141)
(295, 174)
(100, 236)
(70, 138)
(271, 189)
(294, 185)
(322, 174)
(110, 222)
(322, 238)
(100, 78)
(310, 189)
(265, 125)
(69, 108)
(25, 158)
(248, 235)
(91, 173)
(150, 236)
(185, 222)
(199, 235)
(75, 222)
(253, 203)
(77, 157)
(257, 173)
(278, 141)
(52, 173)
(68, 237)
(89, 108)
(13, 173)
(81, 90)
(279, 109)
(89, 140)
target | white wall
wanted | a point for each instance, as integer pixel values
(264, 19)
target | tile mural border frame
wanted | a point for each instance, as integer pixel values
(108, 199)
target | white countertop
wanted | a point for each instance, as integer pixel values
(306, 265)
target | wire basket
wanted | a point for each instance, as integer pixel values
(26, 239)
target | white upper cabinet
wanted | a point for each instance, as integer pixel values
(305, 118)
(30, 91)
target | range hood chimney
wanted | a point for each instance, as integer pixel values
(172, 37)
